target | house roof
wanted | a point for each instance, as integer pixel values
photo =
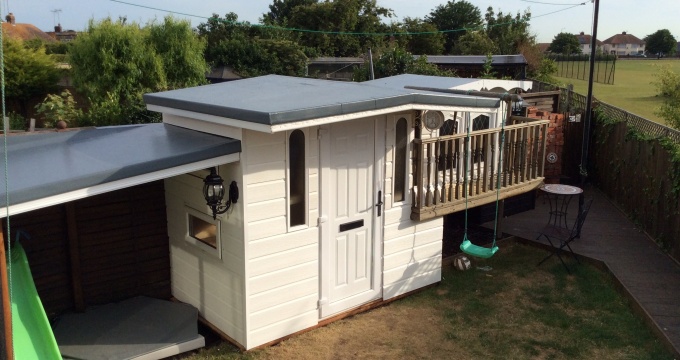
(25, 32)
(624, 38)
(584, 39)
(50, 164)
(275, 100)
(475, 59)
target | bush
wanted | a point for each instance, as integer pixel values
(59, 107)
(667, 83)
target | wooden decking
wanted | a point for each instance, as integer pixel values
(645, 273)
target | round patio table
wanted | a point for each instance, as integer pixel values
(559, 197)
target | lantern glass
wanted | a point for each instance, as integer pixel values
(213, 188)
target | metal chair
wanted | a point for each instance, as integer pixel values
(559, 237)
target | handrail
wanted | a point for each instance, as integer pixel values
(530, 123)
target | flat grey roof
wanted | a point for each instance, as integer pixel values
(275, 99)
(48, 164)
(399, 81)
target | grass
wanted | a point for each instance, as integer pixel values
(515, 311)
(632, 90)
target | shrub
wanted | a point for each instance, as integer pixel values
(59, 107)
(667, 83)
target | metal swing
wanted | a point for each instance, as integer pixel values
(467, 246)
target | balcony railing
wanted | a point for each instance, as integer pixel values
(440, 167)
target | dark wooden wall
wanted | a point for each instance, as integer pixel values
(100, 249)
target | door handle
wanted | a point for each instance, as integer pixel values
(380, 203)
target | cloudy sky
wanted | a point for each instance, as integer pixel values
(549, 17)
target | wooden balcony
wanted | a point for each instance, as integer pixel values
(439, 165)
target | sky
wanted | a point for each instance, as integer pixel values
(636, 17)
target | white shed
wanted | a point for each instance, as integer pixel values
(323, 224)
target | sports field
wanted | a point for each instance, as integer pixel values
(632, 89)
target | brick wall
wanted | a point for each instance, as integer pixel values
(554, 143)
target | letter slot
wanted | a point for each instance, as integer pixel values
(351, 225)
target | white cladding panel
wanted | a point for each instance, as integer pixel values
(282, 263)
(412, 250)
(213, 284)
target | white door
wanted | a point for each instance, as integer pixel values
(351, 266)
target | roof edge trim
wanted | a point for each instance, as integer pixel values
(116, 185)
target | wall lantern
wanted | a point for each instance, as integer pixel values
(213, 192)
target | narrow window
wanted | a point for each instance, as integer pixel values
(481, 122)
(400, 158)
(296, 177)
(448, 152)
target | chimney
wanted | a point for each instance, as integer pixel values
(582, 33)
(623, 33)
(57, 29)
(10, 18)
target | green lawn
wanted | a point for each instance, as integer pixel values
(632, 89)
(505, 307)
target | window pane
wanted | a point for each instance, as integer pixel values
(481, 122)
(450, 127)
(203, 231)
(297, 180)
(400, 150)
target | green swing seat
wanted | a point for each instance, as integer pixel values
(467, 246)
(475, 250)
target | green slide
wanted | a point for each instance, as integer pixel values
(33, 337)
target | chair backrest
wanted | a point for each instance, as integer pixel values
(581, 218)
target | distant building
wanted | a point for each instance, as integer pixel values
(585, 41)
(543, 47)
(471, 66)
(23, 32)
(623, 44)
(63, 35)
(334, 68)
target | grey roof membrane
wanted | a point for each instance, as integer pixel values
(399, 81)
(42, 165)
(275, 99)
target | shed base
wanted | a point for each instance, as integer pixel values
(137, 328)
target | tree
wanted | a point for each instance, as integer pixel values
(244, 49)
(114, 63)
(661, 42)
(362, 18)
(426, 40)
(455, 19)
(475, 43)
(28, 73)
(397, 61)
(180, 51)
(507, 32)
(565, 43)
(281, 10)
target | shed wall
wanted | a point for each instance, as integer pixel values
(282, 263)
(212, 284)
(412, 250)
